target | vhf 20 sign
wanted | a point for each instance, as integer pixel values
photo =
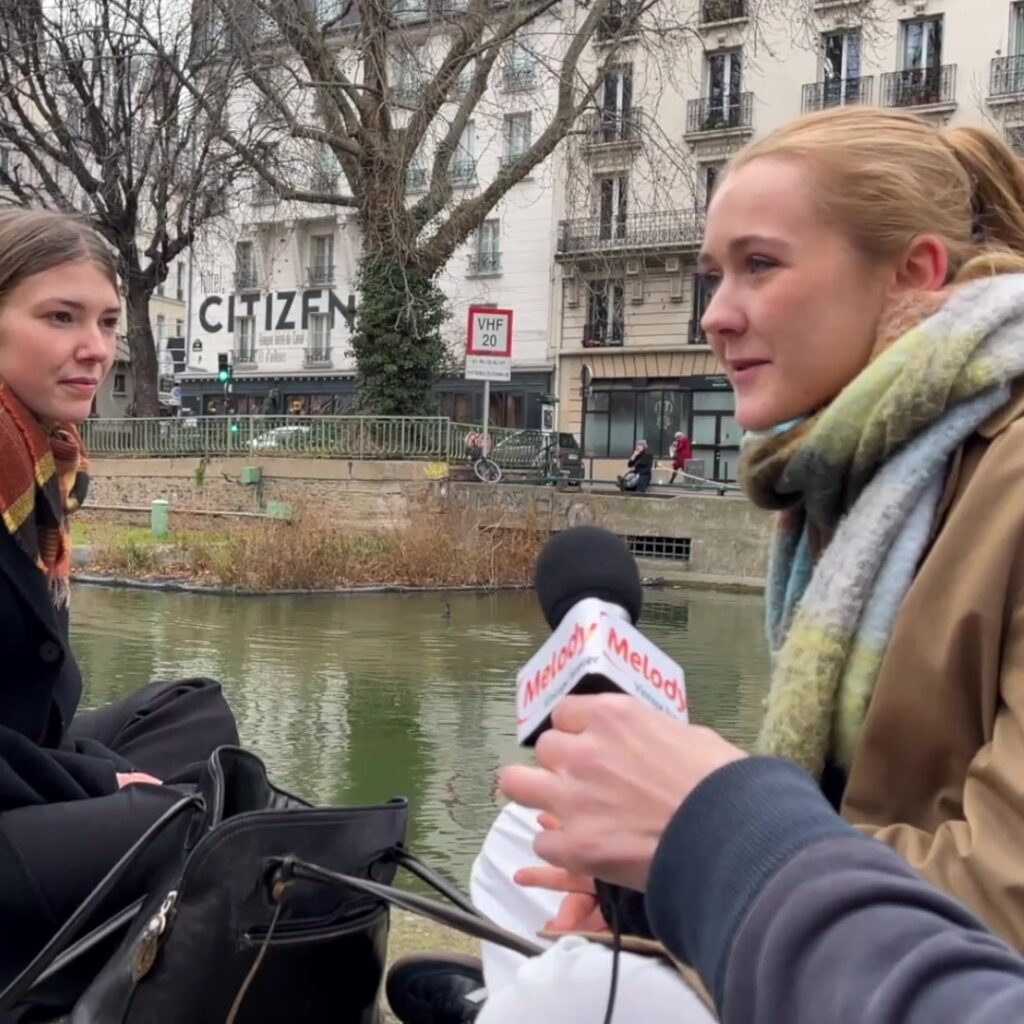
(489, 344)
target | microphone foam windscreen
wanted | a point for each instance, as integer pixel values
(586, 561)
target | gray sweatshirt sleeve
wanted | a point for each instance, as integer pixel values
(792, 917)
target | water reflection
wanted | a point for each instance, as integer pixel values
(359, 698)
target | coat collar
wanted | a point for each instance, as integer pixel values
(1002, 418)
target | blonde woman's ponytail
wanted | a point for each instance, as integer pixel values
(997, 202)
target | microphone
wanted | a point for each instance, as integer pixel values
(589, 589)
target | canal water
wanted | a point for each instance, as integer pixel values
(359, 698)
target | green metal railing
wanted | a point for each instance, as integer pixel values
(350, 437)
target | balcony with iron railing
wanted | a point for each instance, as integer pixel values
(246, 279)
(405, 94)
(463, 171)
(920, 87)
(415, 179)
(320, 274)
(664, 229)
(733, 112)
(613, 127)
(263, 194)
(323, 181)
(317, 356)
(714, 11)
(620, 20)
(483, 263)
(604, 335)
(839, 92)
(244, 356)
(519, 77)
(1006, 78)
(507, 160)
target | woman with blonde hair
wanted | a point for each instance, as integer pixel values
(76, 787)
(867, 280)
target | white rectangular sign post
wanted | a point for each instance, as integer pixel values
(488, 352)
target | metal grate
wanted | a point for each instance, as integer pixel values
(669, 549)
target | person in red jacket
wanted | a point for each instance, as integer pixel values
(682, 450)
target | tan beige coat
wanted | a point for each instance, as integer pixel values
(939, 771)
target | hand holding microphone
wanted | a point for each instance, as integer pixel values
(611, 774)
(612, 770)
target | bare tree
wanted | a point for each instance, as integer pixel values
(94, 119)
(381, 97)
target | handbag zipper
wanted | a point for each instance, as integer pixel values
(149, 941)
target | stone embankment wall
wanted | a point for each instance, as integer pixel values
(728, 538)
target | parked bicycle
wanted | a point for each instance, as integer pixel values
(485, 468)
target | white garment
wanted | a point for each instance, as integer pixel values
(570, 982)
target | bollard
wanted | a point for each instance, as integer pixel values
(160, 519)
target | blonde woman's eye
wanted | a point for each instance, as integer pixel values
(761, 263)
(60, 316)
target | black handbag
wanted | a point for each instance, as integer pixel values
(279, 912)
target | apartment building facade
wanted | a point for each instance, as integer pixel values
(280, 300)
(627, 303)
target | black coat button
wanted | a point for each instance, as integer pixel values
(49, 652)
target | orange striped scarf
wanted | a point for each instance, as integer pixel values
(43, 479)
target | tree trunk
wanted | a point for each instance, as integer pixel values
(142, 349)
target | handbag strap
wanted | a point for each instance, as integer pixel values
(65, 935)
(474, 924)
(411, 863)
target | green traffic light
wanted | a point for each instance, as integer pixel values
(222, 376)
(234, 428)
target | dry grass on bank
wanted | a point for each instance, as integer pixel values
(314, 552)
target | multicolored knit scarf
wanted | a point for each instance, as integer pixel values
(43, 479)
(859, 485)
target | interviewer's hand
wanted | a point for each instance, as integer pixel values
(133, 778)
(579, 910)
(612, 773)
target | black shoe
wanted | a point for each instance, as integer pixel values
(432, 989)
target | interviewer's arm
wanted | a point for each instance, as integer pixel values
(789, 915)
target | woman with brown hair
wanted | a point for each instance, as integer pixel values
(867, 278)
(76, 788)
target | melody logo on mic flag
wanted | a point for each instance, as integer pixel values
(594, 640)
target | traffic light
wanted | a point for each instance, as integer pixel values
(224, 371)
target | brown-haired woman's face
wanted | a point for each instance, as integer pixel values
(58, 335)
(795, 307)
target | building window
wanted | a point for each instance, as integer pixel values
(724, 87)
(622, 414)
(519, 72)
(321, 260)
(709, 175)
(1017, 30)
(179, 328)
(841, 68)
(517, 137)
(612, 207)
(180, 289)
(120, 384)
(921, 78)
(487, 258)
(161, 330)
(245, 265)
(701, 301)
(319, 336)
(464, 158)
(922, 44)
(245, 338)
(605, 314)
